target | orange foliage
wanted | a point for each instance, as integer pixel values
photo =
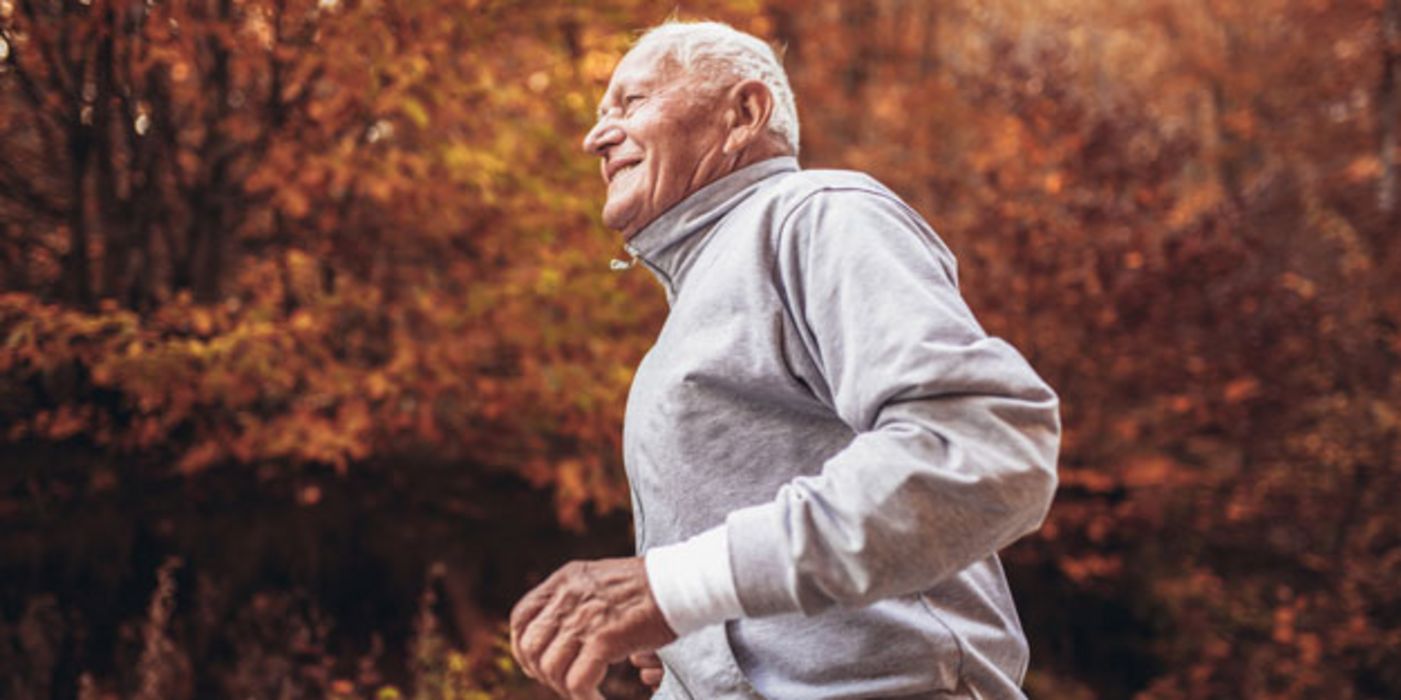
(305, 234)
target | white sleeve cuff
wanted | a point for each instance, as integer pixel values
(692, 582)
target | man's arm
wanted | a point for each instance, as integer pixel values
(957, 435)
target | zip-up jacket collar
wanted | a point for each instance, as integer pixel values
(667, 244)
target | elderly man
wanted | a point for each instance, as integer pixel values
(825, 449)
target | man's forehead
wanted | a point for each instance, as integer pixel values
(644, 66)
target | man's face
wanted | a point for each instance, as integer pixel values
(658, 139)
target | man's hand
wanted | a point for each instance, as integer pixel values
(584, 617)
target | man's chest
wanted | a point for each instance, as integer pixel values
(720, 413)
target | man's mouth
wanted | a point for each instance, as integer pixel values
(621, 169)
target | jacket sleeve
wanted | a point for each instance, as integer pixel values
(956, 436)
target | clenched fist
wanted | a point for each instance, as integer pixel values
(585, 616)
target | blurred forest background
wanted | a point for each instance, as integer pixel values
(311, 361)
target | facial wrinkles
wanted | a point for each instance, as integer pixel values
(633, 76)
(706, 140)
(674, 131)
(693, 172)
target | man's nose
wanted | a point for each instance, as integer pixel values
(603, 135)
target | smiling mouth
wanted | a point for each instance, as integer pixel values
(622, 170)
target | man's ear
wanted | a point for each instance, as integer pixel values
(749, 105)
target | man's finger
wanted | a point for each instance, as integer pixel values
(646, 659)
(535, 639)
(522, 615)
(556, 660)
(587, 671)
(651, 677)
(526, 611)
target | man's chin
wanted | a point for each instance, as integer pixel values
(624, 222)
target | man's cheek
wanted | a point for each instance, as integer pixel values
(618, 211)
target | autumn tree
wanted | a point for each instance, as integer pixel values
(349, 252)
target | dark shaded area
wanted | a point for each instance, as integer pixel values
(1097, 637)
(354, 552)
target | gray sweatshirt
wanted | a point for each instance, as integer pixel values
(821, 390)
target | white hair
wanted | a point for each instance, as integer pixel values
(707, 48)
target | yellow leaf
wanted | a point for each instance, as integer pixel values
(414, 110)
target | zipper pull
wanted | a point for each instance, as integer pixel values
(619, 265)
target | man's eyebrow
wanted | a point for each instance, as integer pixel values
(621, 89)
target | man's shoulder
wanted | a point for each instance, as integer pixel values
(843, 212)
(841, 193)
(800, 186)
(836, 195)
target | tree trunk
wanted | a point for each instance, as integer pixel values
(929, 44)
(76, 273)
(1389, 105)
(112, 214)
(860, 19)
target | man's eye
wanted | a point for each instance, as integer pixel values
(624, 106)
